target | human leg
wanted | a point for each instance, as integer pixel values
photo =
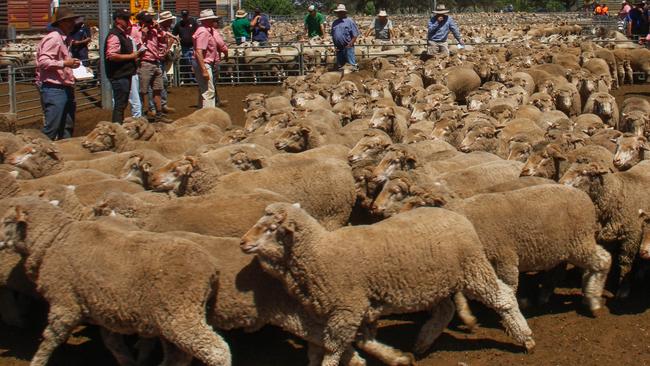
(134, 97)
(121, 91)
(54, 102)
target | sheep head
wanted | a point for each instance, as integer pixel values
(479, 138)
(395, 190)
(255, 119)
(174, 175)
(644, 251)
(101, 138)
(383, 119)
(242, 160)
(370, 146)
(136, 170)
(14, 229)
(543, 162)
(519, 148)
(584, 176)
(233, 136)
(635, 121)
(423, 111)
(398, 157)
(273, 233)
(364, 186)
(294, 139)
(477, 99)
(630, 151)
(34, 157)
(543, 101)
(278, 121)
(604, 104)
(138, 129)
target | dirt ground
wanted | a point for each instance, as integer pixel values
(564, 333)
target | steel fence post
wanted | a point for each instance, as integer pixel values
(12, 89)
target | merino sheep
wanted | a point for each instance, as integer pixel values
(293, 247)
(630, 150)
(618, 198)
(98, 287)
(604, 106)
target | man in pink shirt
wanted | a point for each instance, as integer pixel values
(165, 20)
(54, 77)
(208, 47)
(121, 57)
(149, 70)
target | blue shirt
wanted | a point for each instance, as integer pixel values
(262, 35)
(343, 30)
(443, 32)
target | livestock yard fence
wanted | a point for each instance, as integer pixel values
(250, 66)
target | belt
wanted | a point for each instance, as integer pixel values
(56, 86)
(151, 62)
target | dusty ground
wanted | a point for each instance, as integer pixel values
(565, 335)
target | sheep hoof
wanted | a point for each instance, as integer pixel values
(406, 359)
(530, 346)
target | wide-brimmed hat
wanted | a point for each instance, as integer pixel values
(241, 13)
(382, 13)
(311, 8)
(441, 9)
(63, 13)
(207, 14)
(340, 9)
(165, 16)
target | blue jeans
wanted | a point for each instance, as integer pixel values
(58, 109)
(121, 90)
(344, 56)
(163, 93)
(134, 97)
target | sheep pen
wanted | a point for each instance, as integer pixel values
(515, 110)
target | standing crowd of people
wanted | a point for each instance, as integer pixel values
(134, 55)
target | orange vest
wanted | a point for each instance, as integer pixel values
(599, 10)
(605, 10)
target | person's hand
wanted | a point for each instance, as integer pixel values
(71, 62)
(255, 21)
(205, 74)
(350, 45)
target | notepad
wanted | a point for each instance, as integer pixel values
(82, 73)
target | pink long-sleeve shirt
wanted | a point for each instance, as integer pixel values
(113, 44)
(210, 41)
(153, 39)
(50, 54)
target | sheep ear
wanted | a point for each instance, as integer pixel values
(643, 215)
(595, 169)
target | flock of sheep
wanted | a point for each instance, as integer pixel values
(410, 185)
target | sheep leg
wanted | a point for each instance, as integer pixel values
(464, 312)
(61, 322)
(381, 351)
(195, 337)
(115, 344)
(596, 263)
(431, 330)
(629, 251)
(550, 280)
(173, 356)
(483, 285)
(350, 358)
(340, 331)
(9, 309)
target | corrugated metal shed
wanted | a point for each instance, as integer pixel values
(28, 14)
(3, 19)
(191, 5)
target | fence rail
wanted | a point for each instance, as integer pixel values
(250, 65)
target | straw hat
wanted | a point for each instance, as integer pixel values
(441, 9)
(382, 13)
(311, 8)
(63, 13)
(165, 16)
(207, 14)
(241, 13)
(340, 9)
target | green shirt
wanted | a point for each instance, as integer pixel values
(241, 28)
(313, 24)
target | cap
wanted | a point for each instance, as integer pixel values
(147, 18)
(311, 8)
(122, 14)
(258, 10)
(140, 15)
(184, 13)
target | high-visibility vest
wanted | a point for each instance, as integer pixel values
(605, 10)
(598, 10)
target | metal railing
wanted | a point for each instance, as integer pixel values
(250, 65)
(20, 95)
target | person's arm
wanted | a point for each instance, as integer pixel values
(222, 47)
(47, 57)
(113, 50)
(176, 29)
(453, 27)
(355, 35)
(370, 30)
(200, 45)
(391, 33)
